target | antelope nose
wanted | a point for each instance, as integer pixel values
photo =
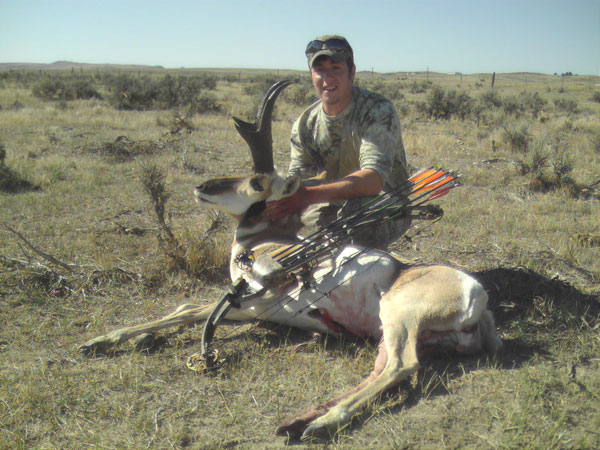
(201, 187)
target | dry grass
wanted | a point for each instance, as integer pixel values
(535, 250)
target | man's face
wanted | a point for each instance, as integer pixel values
(333, 84)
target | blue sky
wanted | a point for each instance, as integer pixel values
(469, 36)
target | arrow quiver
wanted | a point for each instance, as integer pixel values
(407, 200)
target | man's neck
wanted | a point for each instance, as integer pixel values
(338, 108)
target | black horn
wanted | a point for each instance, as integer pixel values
(258, 134)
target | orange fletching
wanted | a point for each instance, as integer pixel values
(422, 174)
(429, 187)
(424, 185)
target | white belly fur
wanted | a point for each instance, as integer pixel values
(354, 282)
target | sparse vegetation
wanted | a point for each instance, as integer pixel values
(66, 88)
(566, 105)
(118, 240)
(443, 104)
(167, 92)
(420, 87)
(517, 138)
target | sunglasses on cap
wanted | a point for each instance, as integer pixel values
(330, 44)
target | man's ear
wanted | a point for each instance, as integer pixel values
(290, 185)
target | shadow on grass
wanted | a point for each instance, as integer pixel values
(12, 183)
(535, 305)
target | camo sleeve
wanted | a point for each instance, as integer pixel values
(381, 146)
(301, 163)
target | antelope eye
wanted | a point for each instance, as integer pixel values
(255, 183)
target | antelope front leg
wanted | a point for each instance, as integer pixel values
(184, 314)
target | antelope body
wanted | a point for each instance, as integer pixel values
(360, 291)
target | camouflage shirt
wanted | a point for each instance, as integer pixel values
(366, 135)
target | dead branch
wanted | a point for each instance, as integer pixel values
(37, 251)
(14, 261)
(153, 181)
(217, 222)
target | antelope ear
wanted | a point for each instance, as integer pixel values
(290, 185)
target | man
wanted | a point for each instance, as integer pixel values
(350, 133)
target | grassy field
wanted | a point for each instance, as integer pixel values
(82, 252)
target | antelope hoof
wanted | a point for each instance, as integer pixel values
(325, 427)
(100, 345)
(143, 342)
(292, 430)
(317, 432)
(294, 426)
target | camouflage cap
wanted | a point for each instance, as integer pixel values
(334, 46)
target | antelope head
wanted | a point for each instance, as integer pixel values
(237, 196)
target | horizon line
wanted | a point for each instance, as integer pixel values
(66, 64)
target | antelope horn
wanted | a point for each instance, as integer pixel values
(258, 134)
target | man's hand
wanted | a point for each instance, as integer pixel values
(358, 184)
(286, 206)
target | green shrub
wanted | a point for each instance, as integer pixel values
(535, 162)
(65, 88)
(514, 106)
(595, 97)
(517, 138)
(392, 90)
(534, 103)
(300, 95)
(22, 78)
(444, 105)
(491, 99)
(562, 167)
(566, 105)
(402, 107)
(205, 102)
(558, 177)
(260, 84)
(420, 87)
(143, 93)
(130, 92)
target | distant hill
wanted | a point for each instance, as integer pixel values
(61, 65)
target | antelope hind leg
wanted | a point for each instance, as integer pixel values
(400, 362)
(186, 313)
(294, 426)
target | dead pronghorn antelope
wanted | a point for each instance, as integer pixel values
(353, 290)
